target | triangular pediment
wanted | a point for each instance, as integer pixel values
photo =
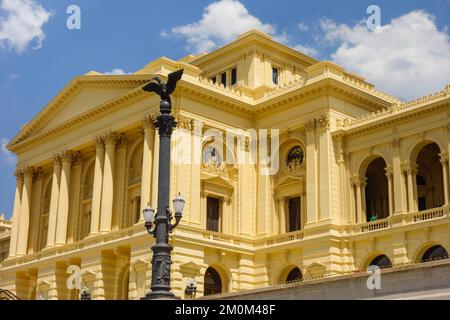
(81, 95)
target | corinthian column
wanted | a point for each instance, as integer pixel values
(98, 181)
(390, 178)
(108, 183)
(24, 222)
(411, 171)
(64, 199)
(16, 214)
(311, 173)
(147, 162)
(51, 233)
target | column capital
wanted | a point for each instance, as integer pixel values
(110, 138)
(323, 122)
(409, 168)
(18, 174)
(57, 160)
(38, 174)
(99, 142)
(389, 172)
(396, 142)
(148, 122)
(443, 157)
(76, 159)
(184, 122)
(310, 125)
(66, 156)
(121, 140)
(28, 172)
(358, 181)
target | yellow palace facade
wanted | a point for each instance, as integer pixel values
(363, 177)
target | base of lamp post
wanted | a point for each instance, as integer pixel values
(160, 296)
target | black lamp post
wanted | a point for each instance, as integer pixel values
(160, 225)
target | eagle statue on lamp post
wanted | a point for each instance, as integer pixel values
(164, 90)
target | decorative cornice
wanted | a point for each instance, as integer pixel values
(398, 111)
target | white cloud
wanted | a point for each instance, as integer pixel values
(21, 23)
(222, 21)
(303, 26)
(409, 57)
(310, 51)
(5, 155)
(116, 72)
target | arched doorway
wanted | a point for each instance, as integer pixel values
(377, 191)
(212, 282)
(294, 275)
(429, 179)
(436, 252)
(381, 261)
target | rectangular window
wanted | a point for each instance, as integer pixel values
(214, 80)
(213, 214)
(294, 214)
(233, 76)
(275, 75)
(223, 79)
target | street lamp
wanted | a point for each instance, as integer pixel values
(159, 224)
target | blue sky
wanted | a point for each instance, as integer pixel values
(39, 55)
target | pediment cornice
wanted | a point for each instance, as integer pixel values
(195, 90)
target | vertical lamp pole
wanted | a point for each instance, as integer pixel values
(160, 225)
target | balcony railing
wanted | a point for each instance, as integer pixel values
(375, 225)
(431, 214)
(221, 237)
(297, 235)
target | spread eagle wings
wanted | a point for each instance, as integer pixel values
(173, 79)
(153, 87)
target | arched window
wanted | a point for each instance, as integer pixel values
(43, 217)
(86, 209)
(294, 219)
(435, 253)
(429, 180)
(213, 282)
(134, 172)
(377, 194)
(381, 261)
(294, 275)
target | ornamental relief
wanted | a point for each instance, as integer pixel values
(213, 164)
